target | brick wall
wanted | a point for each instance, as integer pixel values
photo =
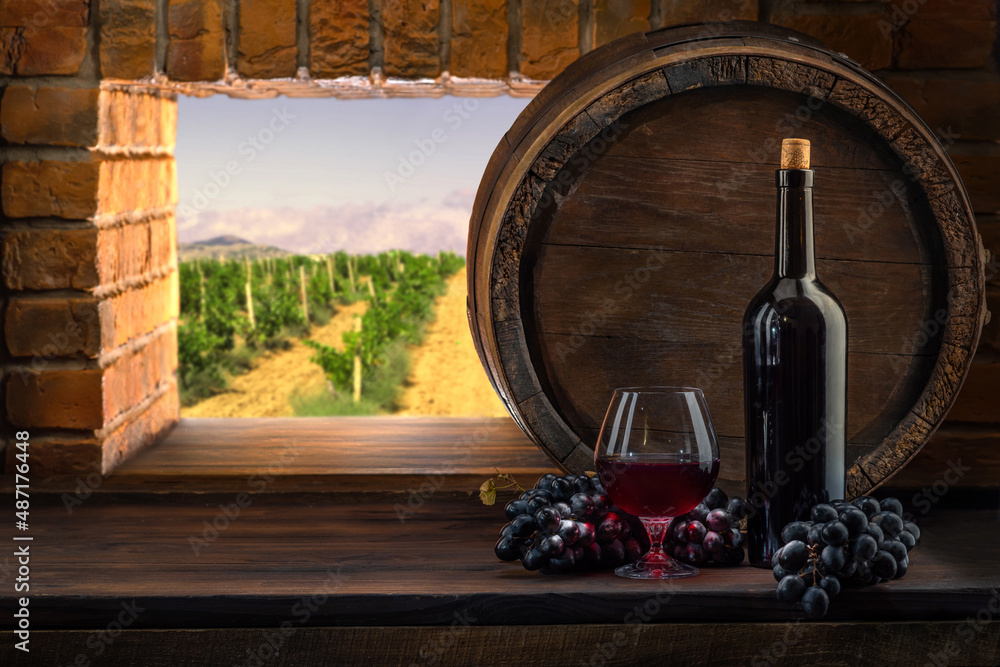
(87, 119)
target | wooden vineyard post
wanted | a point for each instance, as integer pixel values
(253, 322)
(201, 292)
(330, 264)
(350, 273)
(302, 291)
(357, 363)
(371, 287)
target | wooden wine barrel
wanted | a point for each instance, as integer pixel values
(627, 218)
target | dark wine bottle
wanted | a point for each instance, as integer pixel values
(794, 374)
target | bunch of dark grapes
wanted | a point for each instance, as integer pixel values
(710, 533)
(859, 543)
(568, 524)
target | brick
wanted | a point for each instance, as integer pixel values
(617, 18)
(977, 400)
(138, 311)
(38, 14)
(410, 38)
(11, 47)
(45, 329)
(267, 39)
(549, 37)
(925, 43)
(51, 327)
(979, 166)
(965, 102)
(137, 185)
(338, 38)
(56, 51)
(49, 115)
(90, 457)
(128, 38)
(680, 12)
(46, 259)
(197, 41)
(50, 188)
(91, 398)
(858, 35)
(479, 39)
(137, 121)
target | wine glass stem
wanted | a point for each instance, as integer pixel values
(656, 528)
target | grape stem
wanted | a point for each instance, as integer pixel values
(507, 477)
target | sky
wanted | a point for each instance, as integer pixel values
(318, 175)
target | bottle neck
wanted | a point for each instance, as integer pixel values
(794, 251)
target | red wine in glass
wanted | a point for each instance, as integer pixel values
(657, 457)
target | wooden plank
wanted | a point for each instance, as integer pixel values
(459, 644)
(377, 570)
(700, 297)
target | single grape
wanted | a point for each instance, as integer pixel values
(506, 550)
(823, 513)
(890, 524)
(834, 533)
(832, 558)
(737, 507)
(719, 520)
(610, 528)
(547, 519)
(850, 567)
(796, 530)
(868, 505)
(680, 530)
(780, 572)
(891, 505)
(901, 568)
(507, 529)
(582, 506)
(831, 585)
(552, 546)
(875, 532)
(569, 531)
(515, 508)
(588, 534)
(863, 573)
(601, 503)
(693, 554)
(696, 531)
(815, 602)
(791, 588)
(713, 542)
(884, 565)
(912, 529)
(794, 556)
(534, 559)
(816, 534)
(583, 483)
(523, 525)
(545, 481)
(907, 539)
(561, 488)
(855, 520)
(734, 538)
(864, 547)
(716, 498)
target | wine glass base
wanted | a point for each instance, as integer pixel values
(670, 569)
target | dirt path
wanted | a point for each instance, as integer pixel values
(446, 377)
(264, 390)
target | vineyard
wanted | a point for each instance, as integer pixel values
(233, 311)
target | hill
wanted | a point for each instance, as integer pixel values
(226, 247)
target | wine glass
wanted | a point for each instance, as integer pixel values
(657, 457)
